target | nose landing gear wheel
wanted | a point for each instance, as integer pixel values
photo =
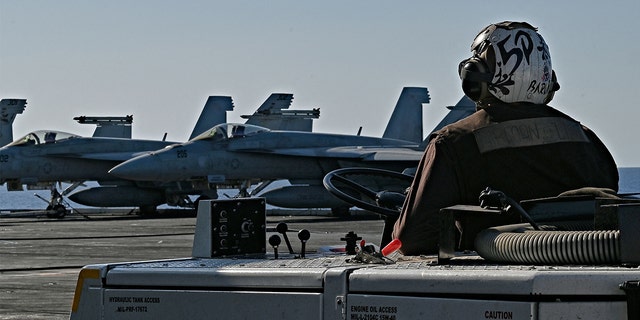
(56, 211)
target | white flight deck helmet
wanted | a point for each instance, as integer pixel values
(510, 62)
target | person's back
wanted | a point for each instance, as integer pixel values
(528, 151)
(514, 143)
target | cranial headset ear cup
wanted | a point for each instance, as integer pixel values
(475, 77)
(554, 79)
(555, 86)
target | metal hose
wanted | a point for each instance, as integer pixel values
(520, 244)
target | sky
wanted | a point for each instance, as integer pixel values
(160, 60)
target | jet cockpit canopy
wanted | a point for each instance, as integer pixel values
(42, 137)
(230, 130)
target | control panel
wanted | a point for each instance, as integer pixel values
(230, 227)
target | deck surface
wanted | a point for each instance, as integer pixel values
(40, 257)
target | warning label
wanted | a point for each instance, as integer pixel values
(366, 312)
(133, 304)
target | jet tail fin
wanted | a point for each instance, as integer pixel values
(109, 127)
(271, 115)
(276, 101)
(213, 113)
(9, 108)
(406, 120)
(461, 110)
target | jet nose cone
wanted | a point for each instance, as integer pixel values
(140, 168)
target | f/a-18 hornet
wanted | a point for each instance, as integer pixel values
(43, 159)
(235, 153)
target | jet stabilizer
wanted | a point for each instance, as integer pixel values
(9, 108)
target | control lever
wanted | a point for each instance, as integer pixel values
(494, 198)
(282, 228)
(351, 239)
(303, 235)
(275, 241)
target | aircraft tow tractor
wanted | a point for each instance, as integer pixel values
(486, 272)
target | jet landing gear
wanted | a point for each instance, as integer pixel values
(55, 208)
(57, 211)
(341, 211)
(56, 205)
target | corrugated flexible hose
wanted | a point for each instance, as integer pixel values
(575, 244)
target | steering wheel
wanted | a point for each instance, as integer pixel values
(357, 187)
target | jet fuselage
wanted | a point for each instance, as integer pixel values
(70, 159)
(266, 155)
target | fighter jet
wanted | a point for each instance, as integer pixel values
(148, 195)
(42, 159)
(232, 153)
(242, 154)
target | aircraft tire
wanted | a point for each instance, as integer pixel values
(59, 211)
(197, 202)
(341, 211)
(148, 211)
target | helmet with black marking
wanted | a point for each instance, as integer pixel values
(510, 62)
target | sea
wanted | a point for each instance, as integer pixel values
(29, 200)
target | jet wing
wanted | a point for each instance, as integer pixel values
(362, 153)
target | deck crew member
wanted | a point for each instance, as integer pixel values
(514, 142)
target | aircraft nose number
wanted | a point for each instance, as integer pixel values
(4, 158)
(182, 154)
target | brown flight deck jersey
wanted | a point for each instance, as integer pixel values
(526, 151)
